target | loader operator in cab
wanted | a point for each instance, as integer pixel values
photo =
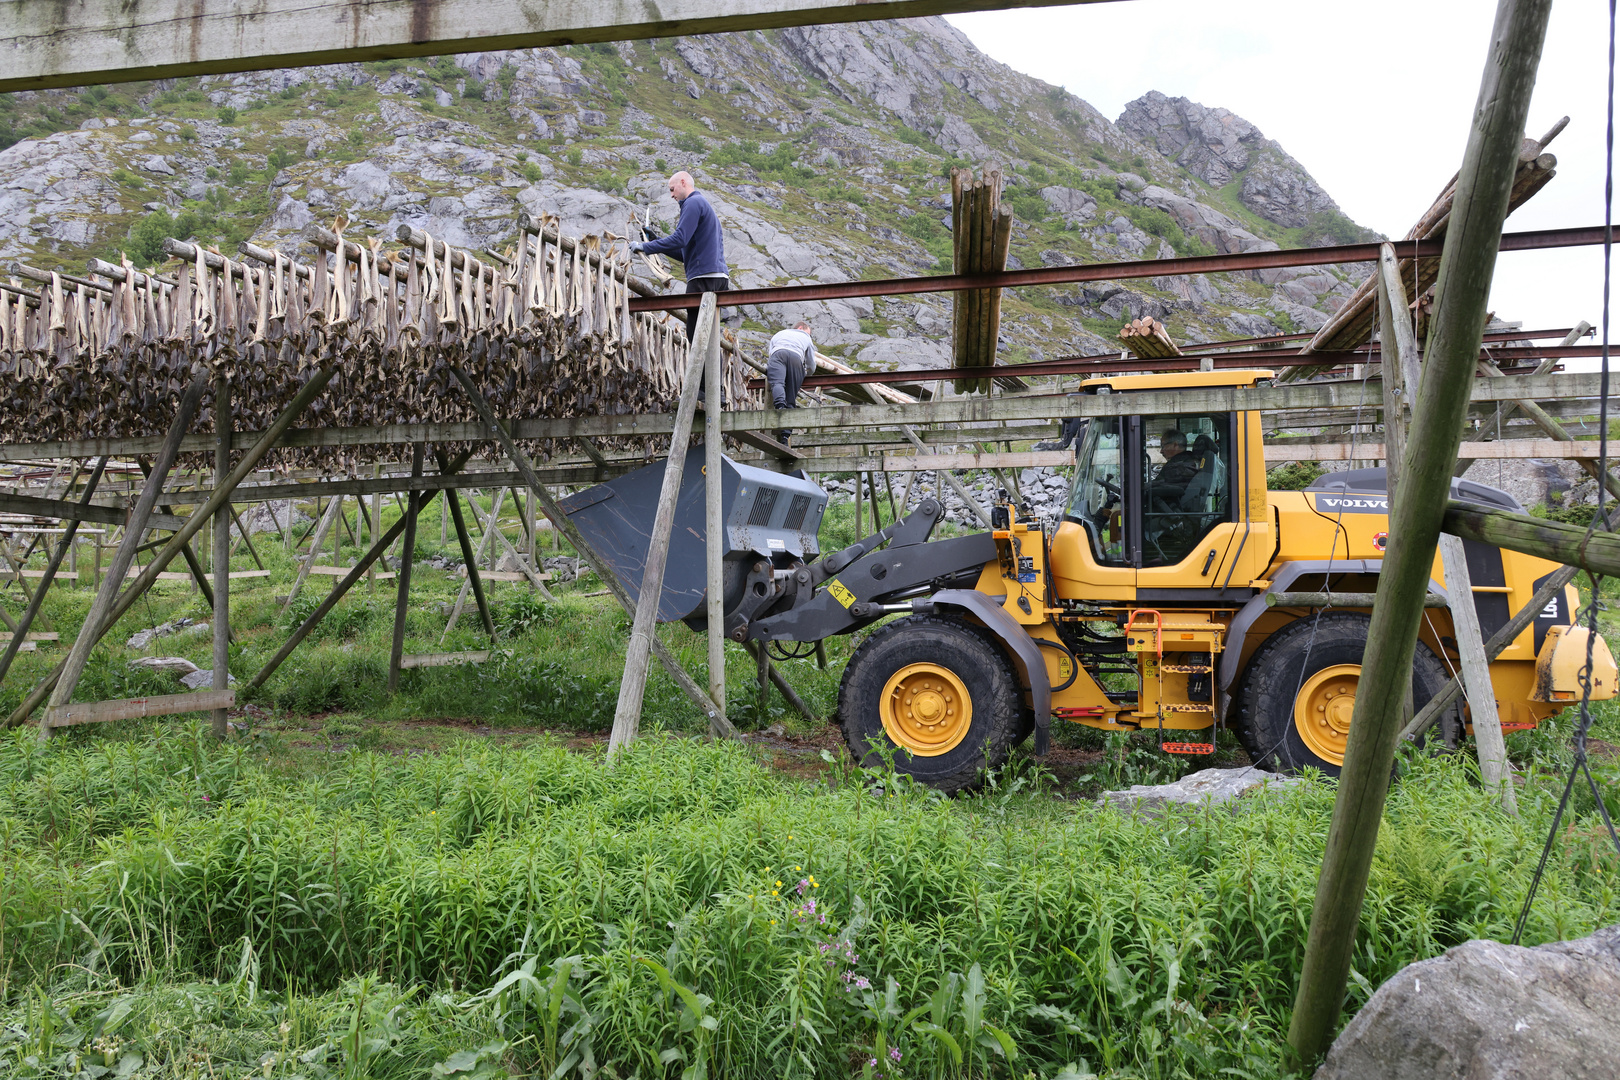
(1178, 470)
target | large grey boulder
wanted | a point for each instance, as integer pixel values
(1212, 786)
(1485, 1010)
(177, 666)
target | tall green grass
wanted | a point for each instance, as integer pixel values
(525, 909)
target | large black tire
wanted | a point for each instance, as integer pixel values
(1283, 669)
(971, 657)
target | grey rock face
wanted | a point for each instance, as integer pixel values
(1214, 786)
(177, 666)
(1074, 207)
(1485, 1011)
(1217, 146)
(202, 679)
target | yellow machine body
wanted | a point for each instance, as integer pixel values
(1175, 603)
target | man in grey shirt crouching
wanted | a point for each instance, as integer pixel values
(793, 358)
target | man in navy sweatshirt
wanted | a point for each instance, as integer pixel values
(696, 241)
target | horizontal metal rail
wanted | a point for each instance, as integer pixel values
(1113, 271)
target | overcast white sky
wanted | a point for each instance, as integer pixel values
(1382, 128)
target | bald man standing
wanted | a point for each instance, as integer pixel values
(696, 241)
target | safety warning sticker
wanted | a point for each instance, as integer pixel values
(840, 593)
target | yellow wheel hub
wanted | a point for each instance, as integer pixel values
(926, 709)
(1323, 709)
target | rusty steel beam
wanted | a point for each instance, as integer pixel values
(1280, 339)
(1069, 275)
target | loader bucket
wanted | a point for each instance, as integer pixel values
(766, 515)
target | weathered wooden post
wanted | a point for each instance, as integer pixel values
(632, 688)
(1457, 328)
(407, 553)
(714, 528)
(1476, 673)
(222, 550)
(21, 629)
(106, 596)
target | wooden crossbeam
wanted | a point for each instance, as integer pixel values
(443, 659)
(1366, 394)
(96, 712)
(34, 506)
(34, 575)
(36, 636)
(236, 575)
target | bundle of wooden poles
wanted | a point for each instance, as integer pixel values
(981, 229)
(1148, 339)
(1352, 325)
(546, 332)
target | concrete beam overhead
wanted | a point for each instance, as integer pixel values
(51, 43)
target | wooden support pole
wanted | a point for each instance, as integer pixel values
(194, 565)
(483, 547)
(330, 601)
(271, 436)
(102, 606)
(564, 528)
(222, 551)
(373, 520)
(1468, 260)
(956, 485)
(492, 528)
(322, 524)
(467, 555)
(242, 531)
(769, 670)
(632, 687)
(1476, 673)
(406, 558)
(714, 528)
(1598, 552)
(20, 629)
(1401, 380)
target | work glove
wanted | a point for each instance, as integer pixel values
(637, 246)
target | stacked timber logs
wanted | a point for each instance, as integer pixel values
(546, 333)
(1148, 339)
(981, 229)
(1352, 325)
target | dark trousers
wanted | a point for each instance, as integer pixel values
(784, 372)
(702, 285)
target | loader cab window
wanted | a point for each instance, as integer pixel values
(1097, 499)
(1147, 489)
(1185, 471)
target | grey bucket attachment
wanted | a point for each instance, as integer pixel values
(767, 515)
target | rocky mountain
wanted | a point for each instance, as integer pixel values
(826, 150)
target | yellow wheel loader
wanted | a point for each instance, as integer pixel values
(1177, 593)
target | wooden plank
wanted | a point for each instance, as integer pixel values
(1367, 394)
(95, 712)
(504, 575)
(165, 575)
(49, 43)
(34, 506)
(340, 571)
(443, 659)
(35, 636)
(241, 575)
(35, 575)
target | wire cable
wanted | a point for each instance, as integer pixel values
(1583, 724)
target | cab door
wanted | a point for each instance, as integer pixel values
(1188, 503)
